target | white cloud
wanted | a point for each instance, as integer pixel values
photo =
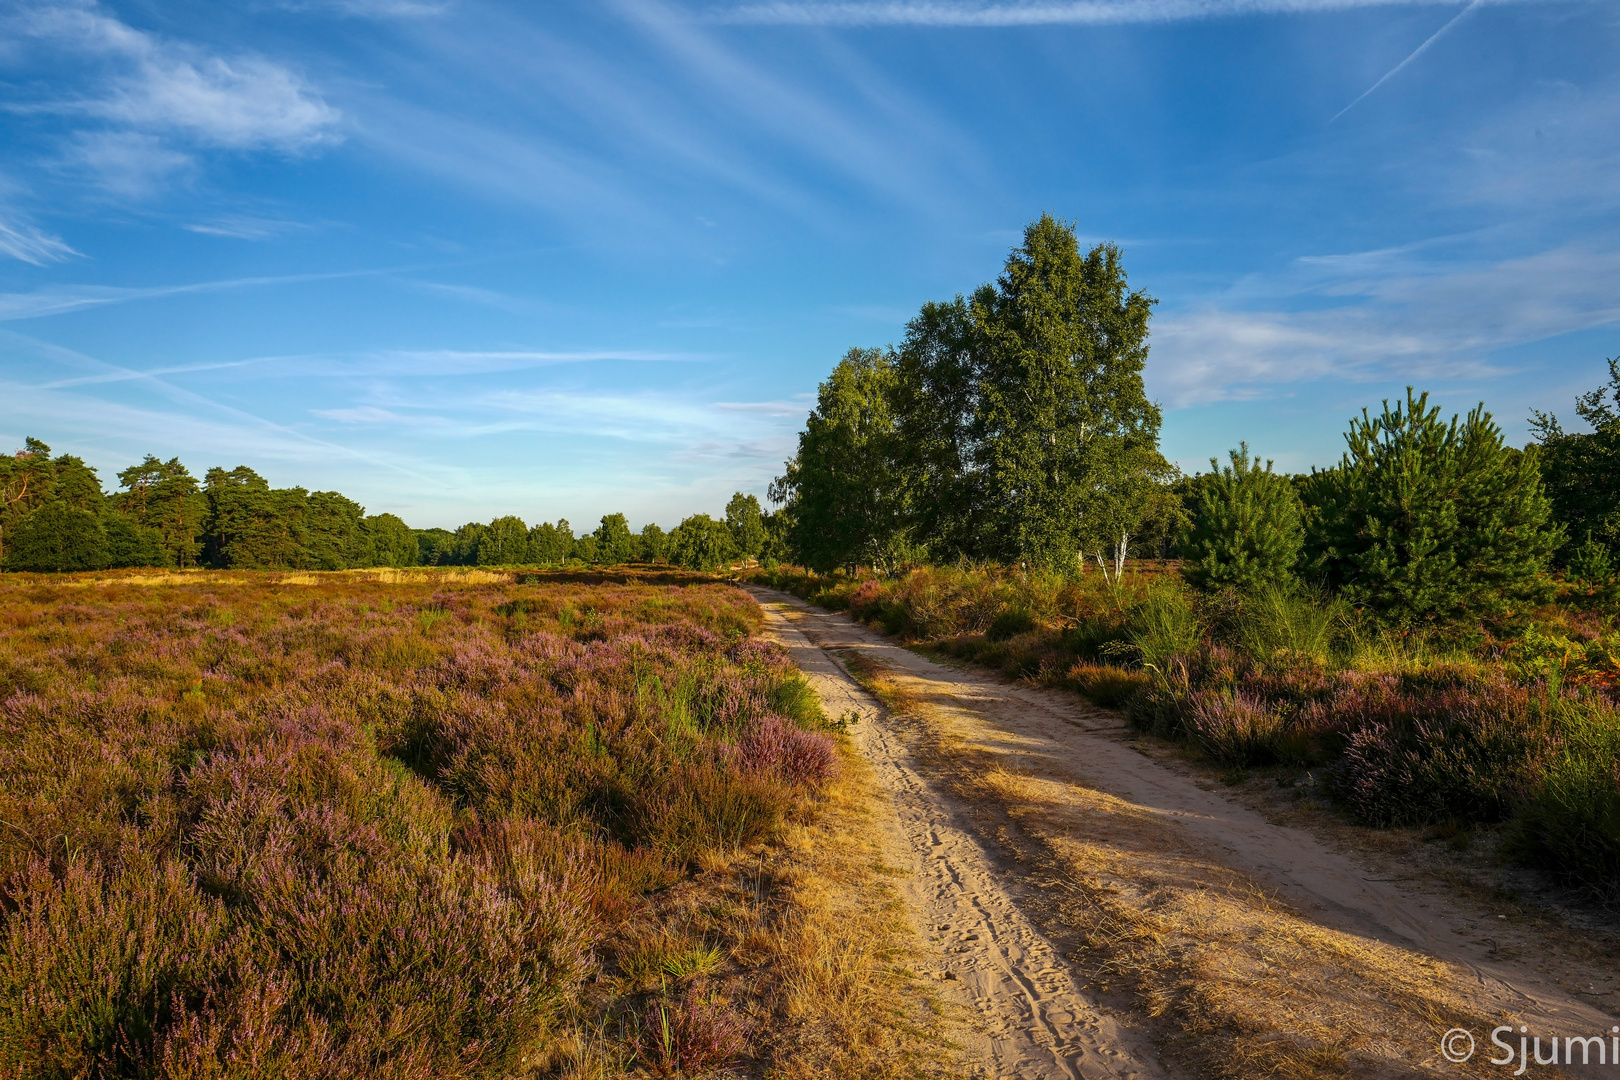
(154, 92)
(24, 242)
(245, 227)
(126, 162)
(1418, 321)
(1035, 13)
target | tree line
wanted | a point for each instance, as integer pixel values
(56, 516)
(1012, 426)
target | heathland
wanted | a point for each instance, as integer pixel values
(425, 824)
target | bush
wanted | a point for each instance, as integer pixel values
(1009, 623)
(1238, 729)
(1428, 522)
(1106, 685)
(1571, 827)
(1278, 625)
(1465, 753)
(1163, 626)
(1247, 528)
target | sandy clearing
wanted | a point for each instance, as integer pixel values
(1026, 993)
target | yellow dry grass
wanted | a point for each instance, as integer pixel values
(807, 937)
(1239, 983)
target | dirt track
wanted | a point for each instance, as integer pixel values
(975, 906)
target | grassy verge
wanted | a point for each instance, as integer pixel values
(435, 824)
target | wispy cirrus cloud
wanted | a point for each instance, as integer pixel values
(1392, 318)
(21, 241)
(1034, 13)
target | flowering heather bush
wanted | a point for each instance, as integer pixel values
(360, 828)
(693, 1037)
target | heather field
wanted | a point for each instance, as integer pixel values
(463, 824)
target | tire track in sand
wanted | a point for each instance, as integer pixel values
(1034, 1021)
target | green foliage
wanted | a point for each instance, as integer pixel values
(585, 549)
(1571, 827)
(392, 542)
(653, 543)
(615, 543)
(129, 544)
(1424, 521)
(1276, 623)
(1163, 625)
(747, 525)
(842, 493)
(249, 525)
(1247, 528)
(58, 537)
(163, 495)
(433, 546)
(551, 545)
(1009, 623)
(1028, 434)
(701, 543)
(1581, 471)
(503, 542)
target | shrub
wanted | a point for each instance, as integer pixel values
(1428, 522)
(695, 1036)
(1571, 826)
(1163, 626)
(1239, 729)
(1009, 623)
(1277, 625)
(1247, 529)
(1105, 684)
(1464, 753)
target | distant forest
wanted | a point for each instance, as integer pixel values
(56, 516)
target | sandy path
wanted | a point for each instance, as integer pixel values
(1058, 737)
(1034, 1022)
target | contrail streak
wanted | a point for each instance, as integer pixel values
(1436, 36)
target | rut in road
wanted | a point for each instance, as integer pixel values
(1415, 961)
(1033, 1020)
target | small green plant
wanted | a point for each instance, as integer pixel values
(1164, 625)
(1279, 624)
(1009, 623)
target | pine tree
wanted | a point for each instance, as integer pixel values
(1247, 528)
(1424, 521)
(1581, 470)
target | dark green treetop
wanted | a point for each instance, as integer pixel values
(1247, 526)
(747, 524)
(615, 543)
(1428, 521)
(701, 543)
(1581, 470)
(843, 490)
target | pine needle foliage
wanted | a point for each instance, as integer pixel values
(1247, 529)
(1425, 521)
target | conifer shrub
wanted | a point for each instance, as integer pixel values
(1247, 527)
(1425, 522)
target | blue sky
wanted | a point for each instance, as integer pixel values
(458, 258)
